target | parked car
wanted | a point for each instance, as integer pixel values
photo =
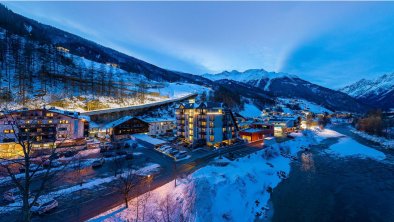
(44, 206)
(53, 163)
(121, 152)
(33, 167)
(181, 154)
(174, 151)
(70, 153)
(98, 163)
(9, 196)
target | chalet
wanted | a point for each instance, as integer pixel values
(125, 126)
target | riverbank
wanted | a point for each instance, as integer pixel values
(386, 143)
(339, 179)
(227, 190)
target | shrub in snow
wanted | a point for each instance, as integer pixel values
(270, 152)
(284, 149)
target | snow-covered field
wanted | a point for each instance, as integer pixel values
(347, 147)
(250, 111)
(304, 105)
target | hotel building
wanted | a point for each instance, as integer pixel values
(209, 124)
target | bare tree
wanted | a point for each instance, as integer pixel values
(126, 183)
(30, 163)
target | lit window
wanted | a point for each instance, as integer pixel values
(49, 114)
(211, 138)
(50, 121)
(63, 121)
(7, 131)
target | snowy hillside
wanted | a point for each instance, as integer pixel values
(377, 92)
(58, 78)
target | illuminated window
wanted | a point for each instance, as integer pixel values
(49, 114)
(39, 138)
(50, 121)
(7, 131)
(63, 121)
(211, 138)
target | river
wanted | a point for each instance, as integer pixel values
(322, 188)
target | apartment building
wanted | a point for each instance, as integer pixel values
(45, 128)
(211, 124)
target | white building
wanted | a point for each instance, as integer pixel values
(160, 126)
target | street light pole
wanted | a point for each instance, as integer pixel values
(175, 173)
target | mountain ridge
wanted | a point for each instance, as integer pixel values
(377, 92)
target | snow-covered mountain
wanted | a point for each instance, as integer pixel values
(290, 86)
(251, 76)
(378, 92)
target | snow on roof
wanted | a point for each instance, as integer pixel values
(156, 120)
(148, 139)
(251, 130)
(117, 122)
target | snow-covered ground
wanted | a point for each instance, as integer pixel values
(236, 190)
(347, 147)
(387, 143)
(304, 105)
(326, 133)
(248, 180)
(250, 111)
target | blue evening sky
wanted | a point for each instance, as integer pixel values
(329, 43)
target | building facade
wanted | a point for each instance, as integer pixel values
(159, 126)
(210, 124)
(44, 128)
(266, 128)
(125, 126)
(251, 134)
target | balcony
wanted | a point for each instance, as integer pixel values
(180, 118)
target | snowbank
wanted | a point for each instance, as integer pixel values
(322, 134)
(347, 147)
(380, 140)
